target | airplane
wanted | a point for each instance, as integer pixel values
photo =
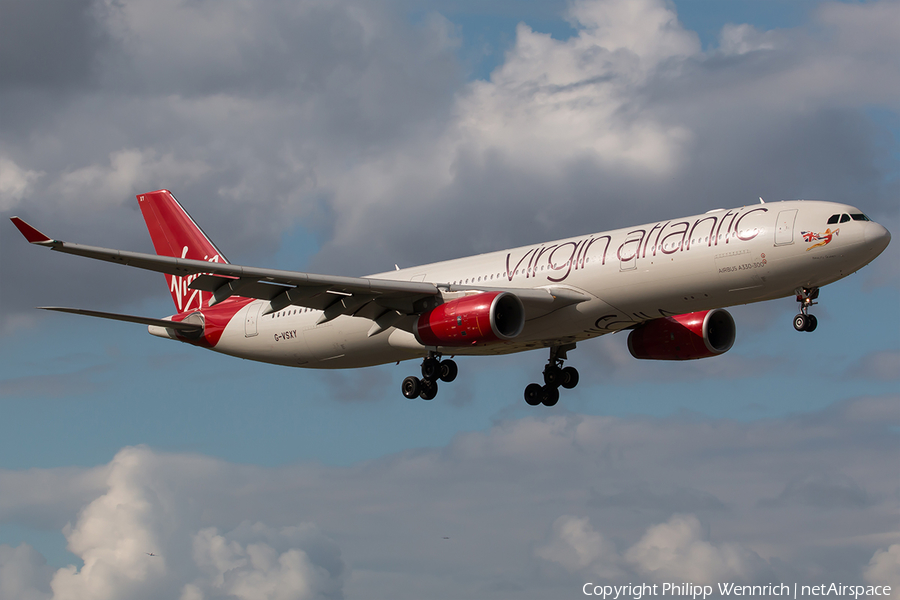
(666, 282)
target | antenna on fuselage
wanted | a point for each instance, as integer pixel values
(761, 201)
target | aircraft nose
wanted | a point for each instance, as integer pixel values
(877, 236)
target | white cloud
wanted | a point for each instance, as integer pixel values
(536, 503)
(744, 38)
(257, 570)
(884, 569)
(15, 183)
(678, 550)
(629, 112)
(675, 551)
(128, 170)
(576, 546)
(147, 507)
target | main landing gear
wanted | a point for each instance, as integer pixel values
(805, 321)
(555, 376)
(433, 369)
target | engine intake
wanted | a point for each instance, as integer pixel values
(683, 337)
(485, 318)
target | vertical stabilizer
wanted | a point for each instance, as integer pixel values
(175, 233)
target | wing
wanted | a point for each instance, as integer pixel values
(380, 300)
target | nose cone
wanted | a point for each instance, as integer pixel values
(877, 237)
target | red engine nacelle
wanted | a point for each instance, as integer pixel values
(484, 318)
(683, 337)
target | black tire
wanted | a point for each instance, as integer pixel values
(431, 369)
(549, 395)
(533, 392)
(570, 377)
(811, 323)
(411, 387)
(553, 375)
(801, 322)
(449, 370)
(429, 389)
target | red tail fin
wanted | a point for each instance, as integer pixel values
(174, 233)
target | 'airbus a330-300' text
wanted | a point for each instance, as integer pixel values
(667, 282)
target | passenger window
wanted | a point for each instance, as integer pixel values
(845, 218)
(833, 219)
(859, 217)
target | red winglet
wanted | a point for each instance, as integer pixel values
(31, 234)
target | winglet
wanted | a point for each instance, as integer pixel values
(31, 234)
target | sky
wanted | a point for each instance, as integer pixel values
(344, 137)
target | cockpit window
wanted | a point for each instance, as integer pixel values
(860, 217)
(833, 219)
(845, 218)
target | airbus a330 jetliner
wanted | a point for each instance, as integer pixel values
(666, 282)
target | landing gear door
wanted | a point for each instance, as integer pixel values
(252, 319)
(784, 229)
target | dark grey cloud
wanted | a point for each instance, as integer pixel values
(831, 490)
(50, 45)
(66, 385)
(645, 496)
(880, 366)
(232, 107)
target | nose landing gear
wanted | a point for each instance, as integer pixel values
(433, 369)
(805, 321)
(555, 376)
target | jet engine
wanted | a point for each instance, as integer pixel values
(683, 337)
(479, 319)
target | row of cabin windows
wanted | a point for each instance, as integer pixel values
(833, 219)
(586, 260)
(499, 275)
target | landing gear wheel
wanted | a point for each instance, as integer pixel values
(801, 322)
(429, 389)
(811, 323)
(549, 395)
(569, 377)
(533, 394)
(431, 369)
(553, 376)
(411, 387)
(449, 370)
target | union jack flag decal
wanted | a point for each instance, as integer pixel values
(812, 236)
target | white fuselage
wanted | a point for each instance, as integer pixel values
(718, 259)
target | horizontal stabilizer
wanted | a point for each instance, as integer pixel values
(178, 326)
